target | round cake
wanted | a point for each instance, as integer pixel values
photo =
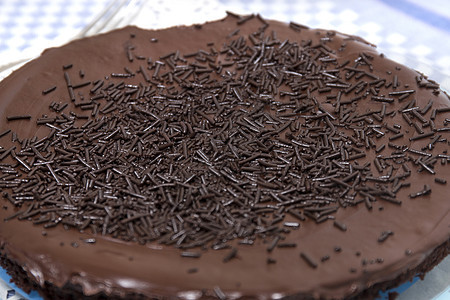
(238, 159)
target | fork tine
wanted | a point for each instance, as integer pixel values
(136, 11)
(102, 14)
(110, 18)
(127, 15)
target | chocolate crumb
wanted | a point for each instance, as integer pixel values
(271, 261)
(191, 254)
(232, 254)
(393, 295)
(324, 258)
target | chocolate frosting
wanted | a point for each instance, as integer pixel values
(116, 267)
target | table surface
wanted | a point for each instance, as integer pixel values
(413, 32)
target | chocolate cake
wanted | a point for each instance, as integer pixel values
(239, 159)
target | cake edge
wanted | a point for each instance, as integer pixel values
(74, 291)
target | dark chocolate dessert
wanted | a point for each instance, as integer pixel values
(238, 159)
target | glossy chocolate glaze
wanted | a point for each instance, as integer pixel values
(116, 267)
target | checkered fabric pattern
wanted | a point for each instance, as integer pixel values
(29, 26)
(412, 32)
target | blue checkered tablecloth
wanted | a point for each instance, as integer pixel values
(29, 26)
(412, 32)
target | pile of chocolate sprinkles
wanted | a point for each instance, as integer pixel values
(220, 145)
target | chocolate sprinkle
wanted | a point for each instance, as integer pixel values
(384, 235)
(421, 136)
(19, 117)
(440, 180)
(191, 254)
(426, 190)
(3, 133)
(232, 254)
(49, 90)
(308, 260)
(340, 225)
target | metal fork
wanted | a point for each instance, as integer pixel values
(116, 14)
